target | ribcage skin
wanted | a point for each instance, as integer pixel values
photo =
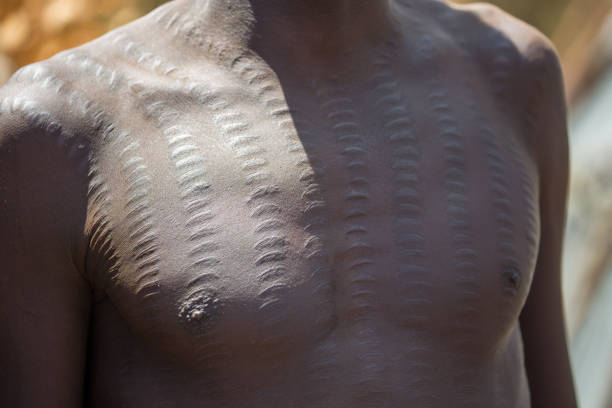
(365, 237)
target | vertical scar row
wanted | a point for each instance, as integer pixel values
(98, 193)
(299, 136)
(310, 170)
(503, 63)
(529, 187)
(201, 304)
(456, 203)
(503, 205)
(356, 263)
(271, 244)
(140, 218)
(513, 271)
(413, 281)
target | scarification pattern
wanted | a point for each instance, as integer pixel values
(139, 215)
(98, 194)
(99, 199)
(500, 168)
(502, 200)
(201, 302)
(529, 187)
(32, 111)
(188, 163)
(271, 244)
(108, 78)
(503, 54)
(202, 245)
(504, 62)
(314, 247)
(41, 118)
(465, 320)
(140, 220)
(136, 52)
(265, 86)
(189, 28)
(325, 367)
(504, 206)
(40, 76)
(357, 256)
(414, 284)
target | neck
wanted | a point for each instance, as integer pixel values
(310, 17)
(317, 25)
(300, 28)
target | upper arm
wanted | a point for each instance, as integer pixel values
(44, 300)
(542, 320)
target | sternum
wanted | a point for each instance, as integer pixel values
(355, 257)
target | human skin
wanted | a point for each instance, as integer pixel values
(234, 203)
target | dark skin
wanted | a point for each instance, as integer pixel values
(287, 203)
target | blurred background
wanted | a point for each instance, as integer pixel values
(32, 30)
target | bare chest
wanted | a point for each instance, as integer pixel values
(251, 224)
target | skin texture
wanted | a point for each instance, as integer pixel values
(287, 203)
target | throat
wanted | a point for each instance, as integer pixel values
(317, 26)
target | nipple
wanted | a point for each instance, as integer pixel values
(512, 276)
(197, 315)
(199, 310)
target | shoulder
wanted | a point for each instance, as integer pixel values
(538, 88)
(43, 144)
(48, 131)
(520, 67)
(493, 31)
(48, 128)
(522, 61)
(498, 32)
(40, 108)
(533, 58)
(506, 50)
(77, 94)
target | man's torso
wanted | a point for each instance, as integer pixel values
(352, 240)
